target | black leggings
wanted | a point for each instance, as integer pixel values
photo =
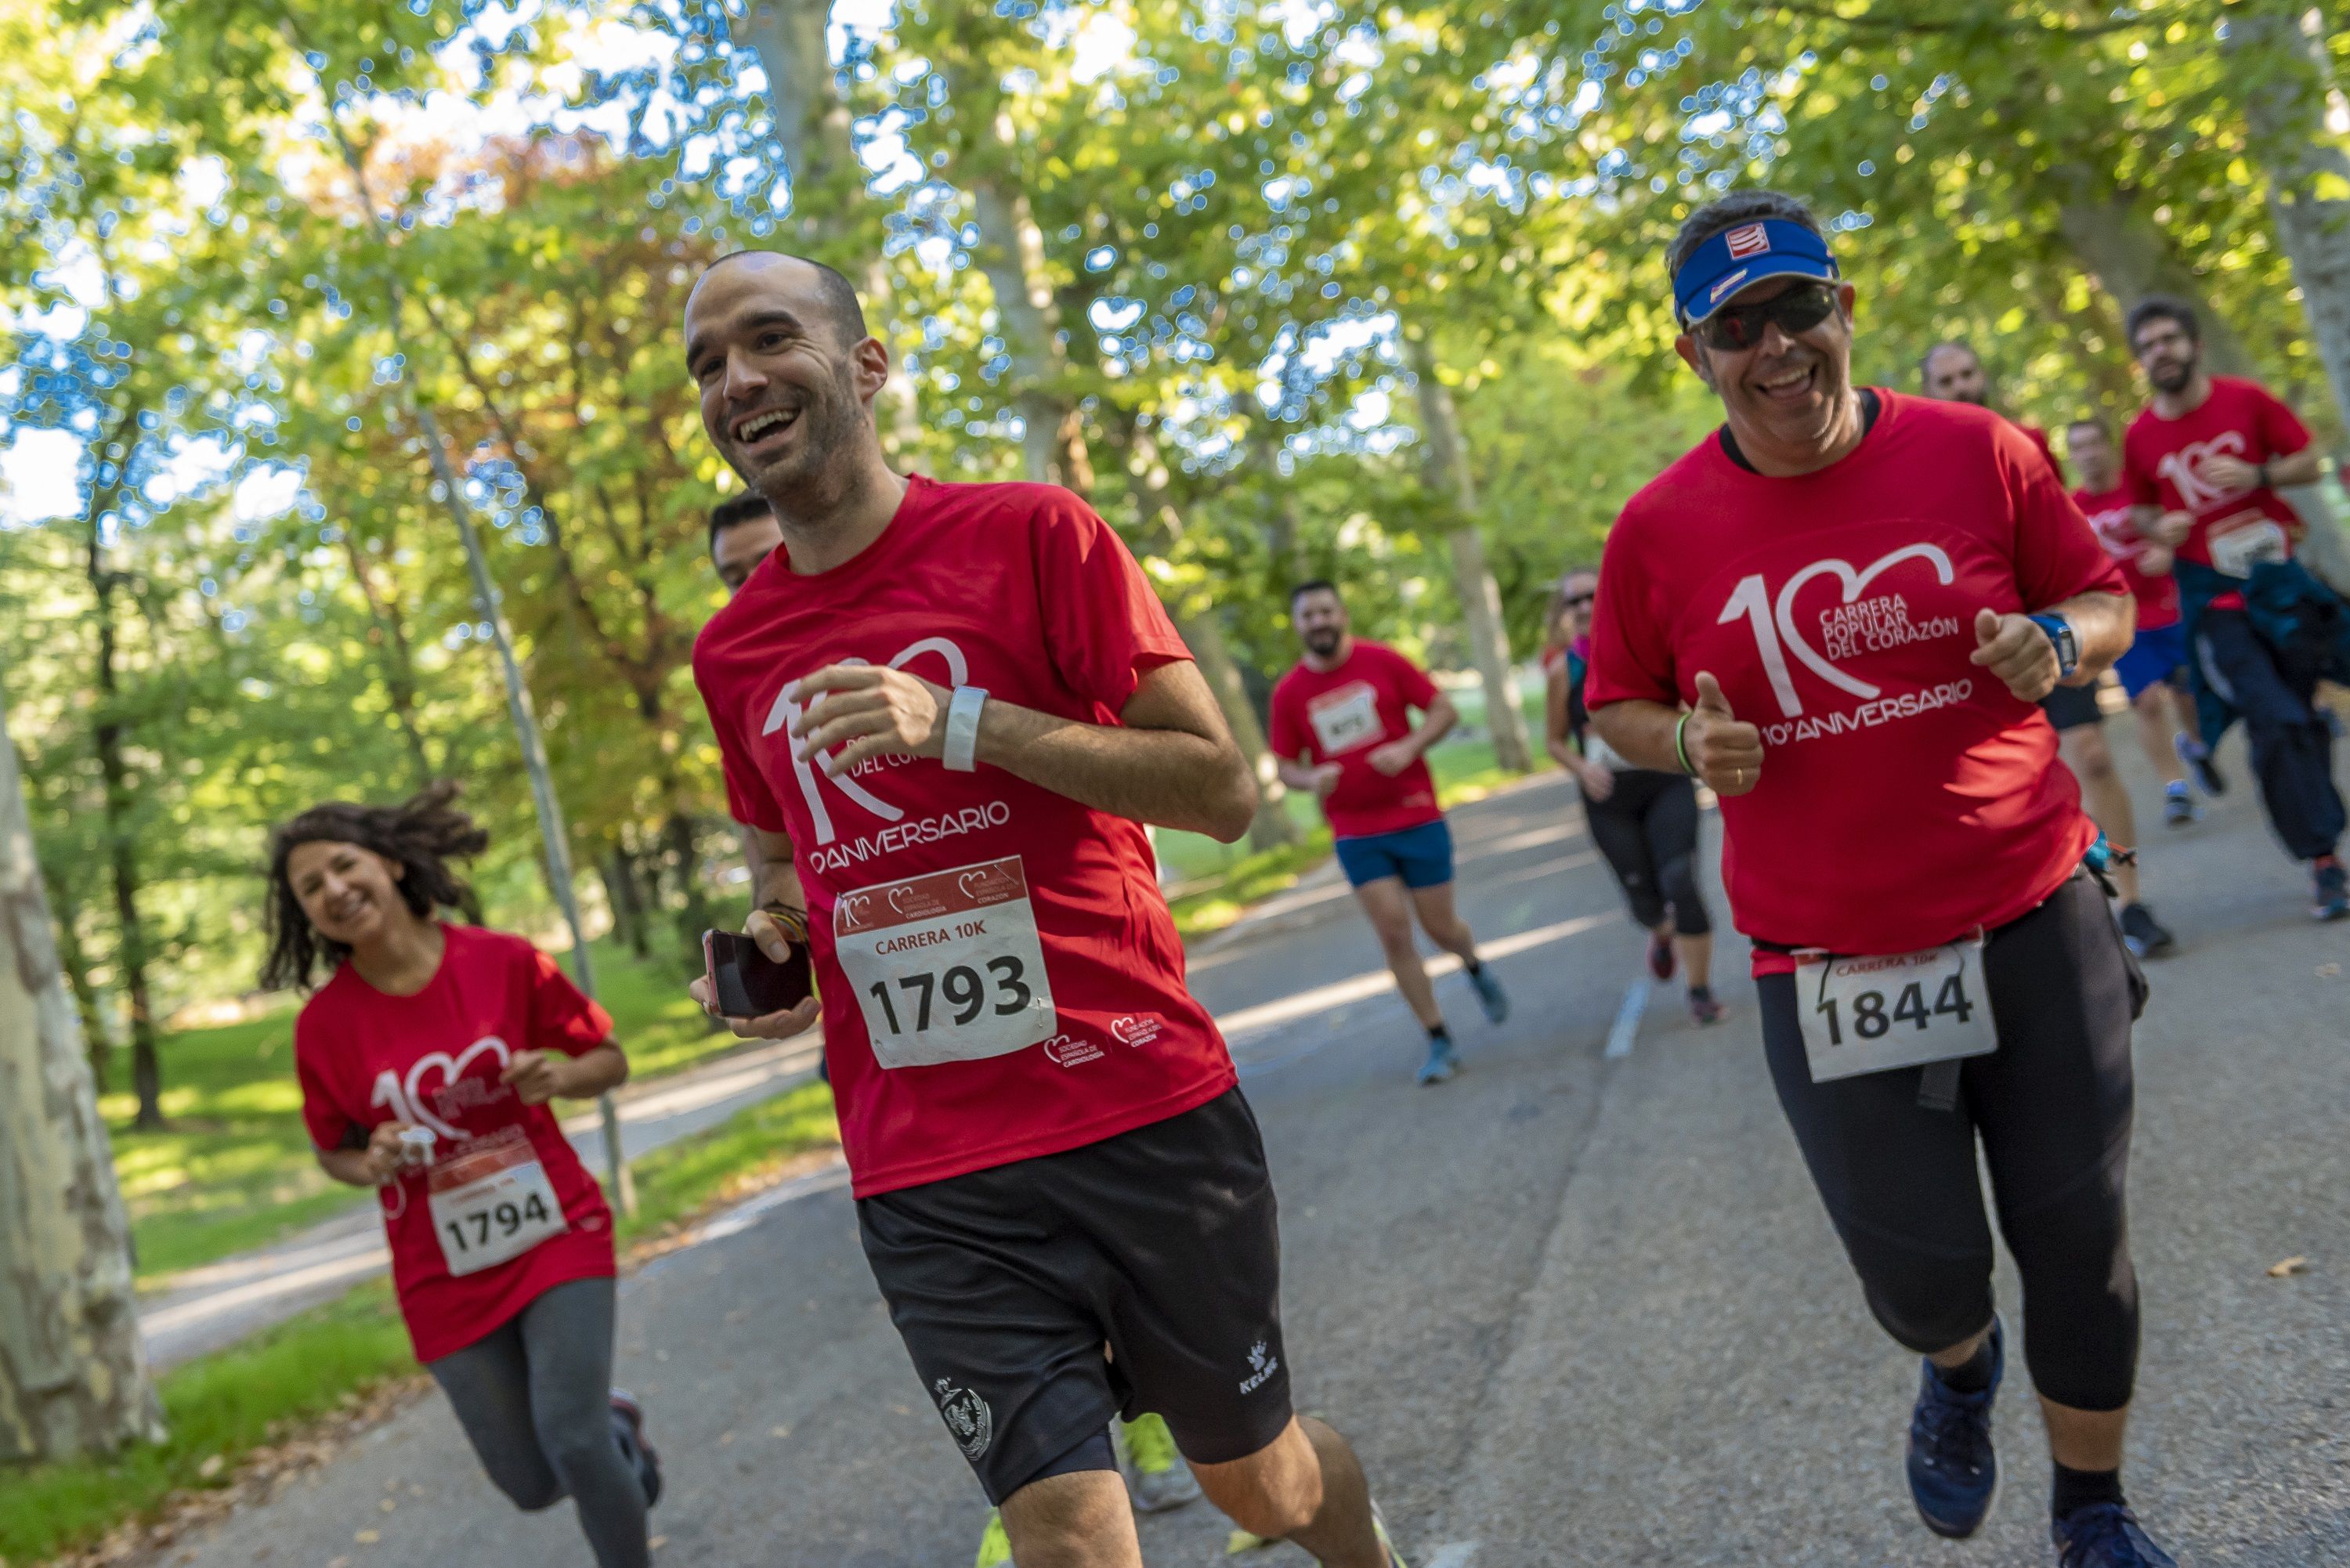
(2292, 750)
(534, 1396)
(1647, 829)
(2051, 1106)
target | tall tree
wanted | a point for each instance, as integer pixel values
(73, 1371)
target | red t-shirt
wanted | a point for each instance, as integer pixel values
(1000, 975)
(2038, 438)
(2162, 466)
(1907, 798)
(2108, 512)
(505, 1183)
(1345, 714)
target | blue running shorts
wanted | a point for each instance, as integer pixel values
(1421, 856)
(2156, 655)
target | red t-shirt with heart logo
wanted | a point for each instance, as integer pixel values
(1000, 976)
(2162, 465)
(2109, 513)
(1345, 714)
(365, 1057)
(1907, 796)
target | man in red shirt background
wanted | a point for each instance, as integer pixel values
(2202, 464)
(2153, 673)
(1341, 728)
(1953, 372)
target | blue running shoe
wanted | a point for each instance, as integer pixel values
(2105, 1535)
(1490, 994)
(1441, 1062)
(2198, 758)
(1954, 1474)
(2330, 899)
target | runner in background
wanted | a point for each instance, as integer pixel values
(1952, 372)
(1645, 822)
(1341, 728)
(2202, 464)
(743, 533)
(427, 1061)
(1838, 611)
(2154, 672)
(947, 710)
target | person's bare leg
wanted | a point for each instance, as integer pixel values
(1958, 1354)
(2154, 709)
(1081, 1519)
(1390, 916)
(1697, 959)
(1306, 1488)
(2103, 796)
(1442, 923)
(2084, 1439)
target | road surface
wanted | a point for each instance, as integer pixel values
(1573, 1308)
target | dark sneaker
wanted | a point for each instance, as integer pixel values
(1661, 955)
(2144, 933)
(2199, 761)
(2179, 807)
(1441, 1064)
(1703, 1007)
(629, 1427)
(2330, 899)
(1490, 994)
(2105, 1535)
(1953, 1473)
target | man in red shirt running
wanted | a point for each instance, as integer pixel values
(2202, 464)
(2154, 672)
(1954, 373)
(1342, 727)
(946, 710)
(1840, 611)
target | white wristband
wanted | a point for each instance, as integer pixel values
(963, 728)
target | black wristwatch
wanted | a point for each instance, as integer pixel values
(2068, 647)
(2261, 474)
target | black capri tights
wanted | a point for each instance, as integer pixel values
(1647, 829)
(2052, 1109)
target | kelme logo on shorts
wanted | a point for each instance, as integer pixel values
(1261, 1365)
(967, 1417)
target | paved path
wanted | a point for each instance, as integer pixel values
(1574, 1309)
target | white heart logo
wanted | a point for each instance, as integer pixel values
(451, 1071)
(1853, 583)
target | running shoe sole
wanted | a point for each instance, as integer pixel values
(625, 1406)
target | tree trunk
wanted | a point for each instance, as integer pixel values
(1472, 580)
(73, 1370)
(622, 891)
(76, 963)
(679, 836)
(123, 850)
(1011, 252)
(1272, 826)
(389, 635)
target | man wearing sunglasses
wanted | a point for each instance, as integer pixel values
(1840, 611)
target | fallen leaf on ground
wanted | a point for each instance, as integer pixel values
(2290, 1266)
(212, 1467)
(2329, 971)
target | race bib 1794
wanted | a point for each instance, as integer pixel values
(1901, 1010)
(493, 1202)
(946, 967)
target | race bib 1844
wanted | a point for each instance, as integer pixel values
(946, 967)
(2241, 543)
(1901, 1010)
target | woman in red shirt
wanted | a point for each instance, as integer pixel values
(427, 1060)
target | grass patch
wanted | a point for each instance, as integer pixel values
(221, 1405)
(679, 1180)
(235, 1170)
(1246, 880)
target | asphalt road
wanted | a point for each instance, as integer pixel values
(1573, 1309)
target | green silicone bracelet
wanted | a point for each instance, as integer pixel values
(1680, 745)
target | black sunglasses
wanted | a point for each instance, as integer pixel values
(1737, 327)
(1576, 601)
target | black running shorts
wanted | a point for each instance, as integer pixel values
(1161, 1243)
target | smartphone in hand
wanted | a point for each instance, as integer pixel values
(746, 983)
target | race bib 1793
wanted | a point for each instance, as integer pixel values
(946, 967)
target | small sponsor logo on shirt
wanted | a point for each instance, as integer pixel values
(1072, 1050)
(1752, 240)
(967, 1417)
(1263, 1365)
(1713, 295)
(1136, 1028)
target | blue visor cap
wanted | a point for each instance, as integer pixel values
(1748, 252)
